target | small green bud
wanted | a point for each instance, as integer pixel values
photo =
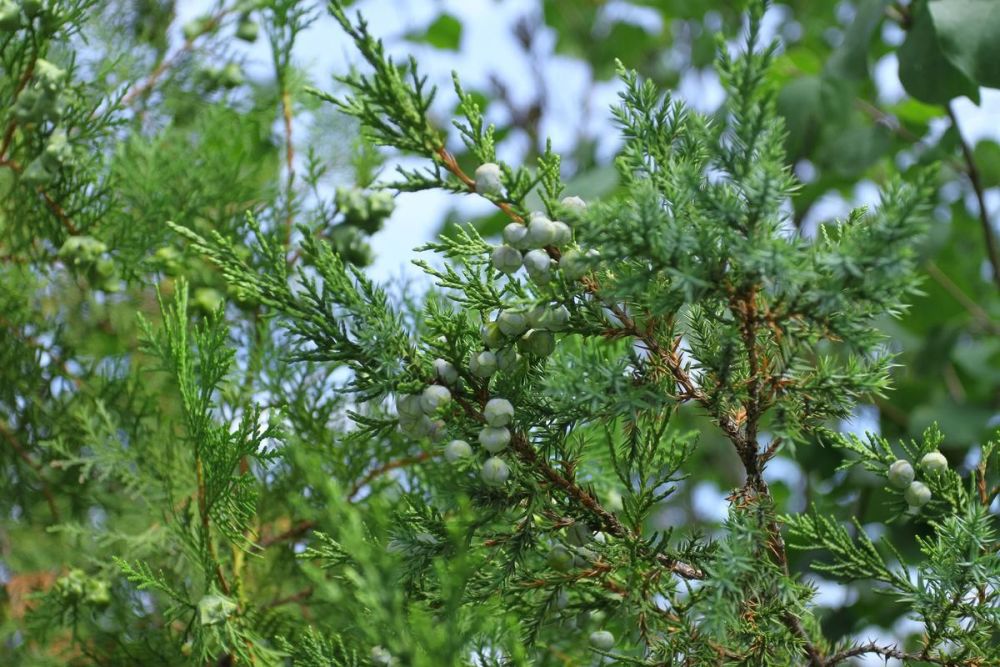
(434, 397)
(98, 593)
(917, 495)
(208, 299)
(512, 323)
(498, 412)
(515, 235)
(32, 8)
(901, 474)
(602, 640)
(560, 559)
(10, 16)
(36, 174)
(494, 439)
(215, 609)
(445, 371)
(492, 336)
(231, 75)
(196, 28)
(495, 471)
(247, 29)
(457, 449)
(934, 462)
(58, 152)
(488, 179)
(483, 364)
(537, 343)
(48, 75)
(506, 259)
(541, 232)
(73, 585)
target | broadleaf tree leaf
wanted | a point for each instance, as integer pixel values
(925, 70)
(850, 59)
(444, 33)
(968, 31)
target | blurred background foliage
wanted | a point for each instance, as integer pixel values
(868, 89)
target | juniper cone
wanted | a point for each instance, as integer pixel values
(717, 409)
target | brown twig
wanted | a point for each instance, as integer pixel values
(22, 453)
(286, 114)
(972, 171)
(384, 468)
(205, 527)
(141, 89)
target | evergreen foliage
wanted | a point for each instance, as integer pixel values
(264, 468)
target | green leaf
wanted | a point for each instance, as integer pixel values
(968, 32)
(925, 70)
(850, 60)
(987, 157)
(800, 103)
(444, 33)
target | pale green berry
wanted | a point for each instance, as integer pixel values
(536, 316)
(483, 364)
(214, 609)
(901, 474)
(409, 405)
(602, 640)
(575, 264)
(579, 534)
(445, 371)
(488, 179)
(498, 412)
(457, 449)
(555, 319)
(562, 599)
(538, 264)
(380, 656)
(574, 205)
(495, 471)
(560, 559)
(508, 359)
(934, 462)
(537, 343)
(492, 336)
(436, 429)
(494, 439)
(541, 232)
(512, 323)
(434, 397)
(515, 235)
(247, 30)
(506, 259)
(917, 495)
(416, 427)
(563, 233)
